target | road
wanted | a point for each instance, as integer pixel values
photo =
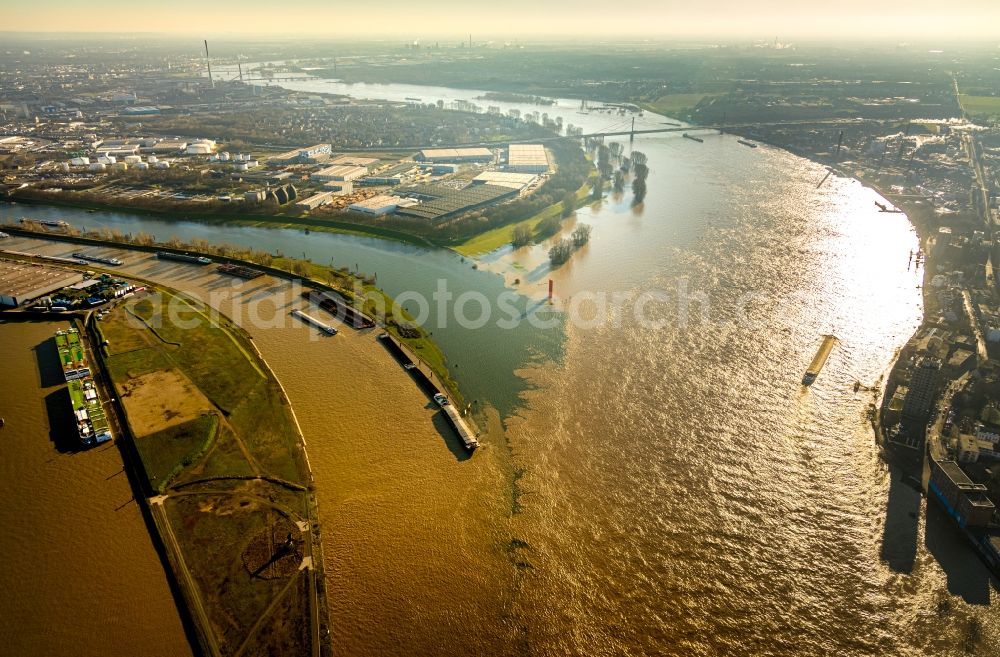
(981, 351)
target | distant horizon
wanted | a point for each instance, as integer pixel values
(450, 41)
(851, 21)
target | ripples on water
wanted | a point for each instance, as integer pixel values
(686, 494)
(78, 572)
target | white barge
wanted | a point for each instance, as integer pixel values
(309, 319)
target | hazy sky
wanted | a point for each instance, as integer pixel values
(899, 20)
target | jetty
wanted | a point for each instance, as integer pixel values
(239, 271)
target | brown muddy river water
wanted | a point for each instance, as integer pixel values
(663, 484)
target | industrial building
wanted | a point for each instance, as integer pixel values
(354, 160)
(311, 155)
(340, 188)
(314, 201)
(455, 155)
(379, 205)
(339, 172)
(442, 202)
(527, 158)
(168, 146)
(21, 281)
(505, 179)
(395, 175)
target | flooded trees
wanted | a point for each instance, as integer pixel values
(640, 171)
(521, 236)
(564, 248)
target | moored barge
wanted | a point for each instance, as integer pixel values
(336, 306)
(184, 257)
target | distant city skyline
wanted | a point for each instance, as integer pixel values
(868, 20)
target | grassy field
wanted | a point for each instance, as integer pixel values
(675, 105)
(217, 438)
(165, 453)
(981, 106)
(494, 239)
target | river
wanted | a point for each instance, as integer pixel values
(80, 575)
(681, 492)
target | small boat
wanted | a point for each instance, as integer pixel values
(2, 422)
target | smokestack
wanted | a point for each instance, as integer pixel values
(209, 62)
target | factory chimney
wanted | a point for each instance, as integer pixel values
(209, 62)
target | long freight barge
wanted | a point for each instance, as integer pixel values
(114, 262)
(693, 138)
(336, 306)
(92, 425)
(819, 360)
(457, 423)
(309, 319)
(184, 257)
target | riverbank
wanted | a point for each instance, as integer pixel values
(241, 219)
(82, 574)
(401, 502)
(362, 294)
(222, 459)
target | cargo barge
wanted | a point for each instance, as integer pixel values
(91, 422)
(819, 360)
(693, 138)
(114, 262)
(749, 144)
(336, 306)
(239, 271)
(457, 423)
(48, 223)
(309, 319)
(184, 257)
(92, 425)
(72, 355)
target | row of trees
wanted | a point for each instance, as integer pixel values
(608, 155)
(639, 172)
